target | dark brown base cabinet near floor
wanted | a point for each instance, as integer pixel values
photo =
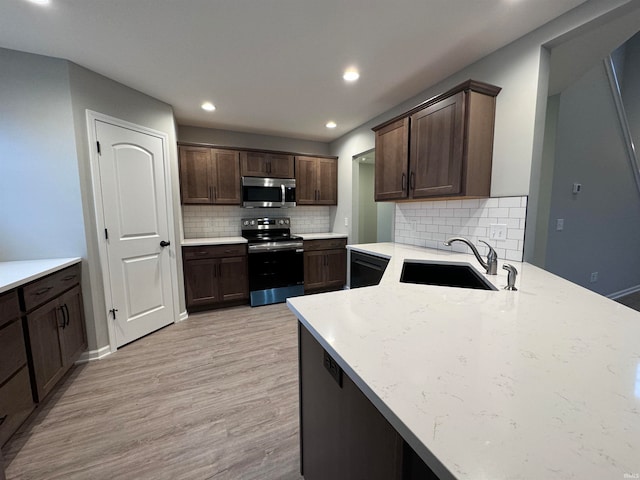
(215, 276)
(325, 265)
(55, 327)
(16, 400)
(42, 334)
(342, 434)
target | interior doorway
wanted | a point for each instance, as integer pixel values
(372, 221)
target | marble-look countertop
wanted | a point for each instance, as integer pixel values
(188, 242)
(540, 383)
(321, 236)
(14, 274)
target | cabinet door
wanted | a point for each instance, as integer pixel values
(392, 161)
(45, 339)
(327, 175)
(74, 333)
(335, 268)
(195, 175)
(437, 148)
(16, 403)
(314, 265)
(253, 164)
(234, 280)
(201, 282)
(280, 166)
(225, 177)
(306, 181)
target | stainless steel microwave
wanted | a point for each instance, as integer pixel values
(268, 192)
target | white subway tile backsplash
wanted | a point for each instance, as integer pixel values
(437, 221)
(210, 221)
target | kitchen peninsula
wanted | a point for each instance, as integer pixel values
(542, 382)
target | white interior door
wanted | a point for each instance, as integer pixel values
(132, 181)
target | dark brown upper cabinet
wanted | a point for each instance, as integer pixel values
(316, 180)
(264, 164)
(441, 148)
(209, 176)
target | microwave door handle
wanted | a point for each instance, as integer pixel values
(283, 193)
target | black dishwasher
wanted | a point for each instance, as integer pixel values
(366, 269)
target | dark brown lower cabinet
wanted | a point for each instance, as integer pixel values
(16, 399)
(215, 276)
(57, 338)
(325, 265)
(343, 435)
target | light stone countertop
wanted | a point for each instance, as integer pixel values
(541, 383)
(14, 274)
(188, 242)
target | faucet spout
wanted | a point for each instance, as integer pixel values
(491, 265)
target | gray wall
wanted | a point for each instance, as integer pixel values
(601, 224)
(631, 87)
(46, 201)
(249, 140)
(95, 92)
(40, 199)
(368, 218)
(520, 69)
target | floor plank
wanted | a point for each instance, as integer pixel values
(213, 397)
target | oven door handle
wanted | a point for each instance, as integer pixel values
(281, 246)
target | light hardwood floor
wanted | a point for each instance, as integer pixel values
(213, 397)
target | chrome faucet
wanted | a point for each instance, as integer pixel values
(491, 265)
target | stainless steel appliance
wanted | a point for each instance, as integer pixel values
(276, 264)
(268, 192)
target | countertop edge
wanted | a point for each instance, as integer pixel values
(34, 269)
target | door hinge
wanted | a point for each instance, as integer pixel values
(106, 234)
(98, 144)
(113, 312)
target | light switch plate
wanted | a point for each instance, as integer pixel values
(498, 231)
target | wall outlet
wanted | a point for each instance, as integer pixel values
(498, 231)
(560, 224)
(346, 221)
(594, 277)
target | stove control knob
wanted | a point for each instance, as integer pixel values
(253, 222)
(281, 222)
(245, 222)
(287, 221)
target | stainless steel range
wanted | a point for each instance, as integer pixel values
(276, 265)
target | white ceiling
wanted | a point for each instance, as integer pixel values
(274, 66)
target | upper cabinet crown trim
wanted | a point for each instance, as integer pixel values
(469, 85)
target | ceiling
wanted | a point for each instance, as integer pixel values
(274, 66)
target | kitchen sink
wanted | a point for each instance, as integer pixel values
(448, 274)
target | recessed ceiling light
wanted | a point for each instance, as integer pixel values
(331, 125)
(351, 75)
(208, 106)
(40, 2)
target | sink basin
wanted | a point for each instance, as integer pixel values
(448, 274)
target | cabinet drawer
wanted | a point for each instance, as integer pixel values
(213, 251)
(38, 292)
(12, 350)
(330, 244)
(9, 307)
(16, 402)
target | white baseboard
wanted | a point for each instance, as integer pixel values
(183, 316)
(91, 355)
(622, 293)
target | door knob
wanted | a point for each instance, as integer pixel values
(164, 244)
